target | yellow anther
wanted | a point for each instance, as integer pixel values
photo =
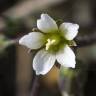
(49, 42)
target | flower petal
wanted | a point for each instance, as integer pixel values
(66, 57)
(43, 62)
(69, 30)
(33, 40)
(46, 24)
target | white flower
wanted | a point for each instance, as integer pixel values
(55, 42)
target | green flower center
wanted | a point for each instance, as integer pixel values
(54, 41)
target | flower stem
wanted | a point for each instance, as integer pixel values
(35, 86)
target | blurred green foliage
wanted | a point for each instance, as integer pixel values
(4, 43)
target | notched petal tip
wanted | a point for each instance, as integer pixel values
(43, 16)
(69, 30)
(40, 73)
(33, 40)
(66, 57)
(46, 23)
(43, 62)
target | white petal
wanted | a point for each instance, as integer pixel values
(66, 57)
(46, 24)
(33, 40)
(43, 62)
(69, 30)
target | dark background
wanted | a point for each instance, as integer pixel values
(82, 12)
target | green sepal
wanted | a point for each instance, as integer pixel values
(66, 72)
(72, 43)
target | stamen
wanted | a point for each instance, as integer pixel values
(49, 43)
